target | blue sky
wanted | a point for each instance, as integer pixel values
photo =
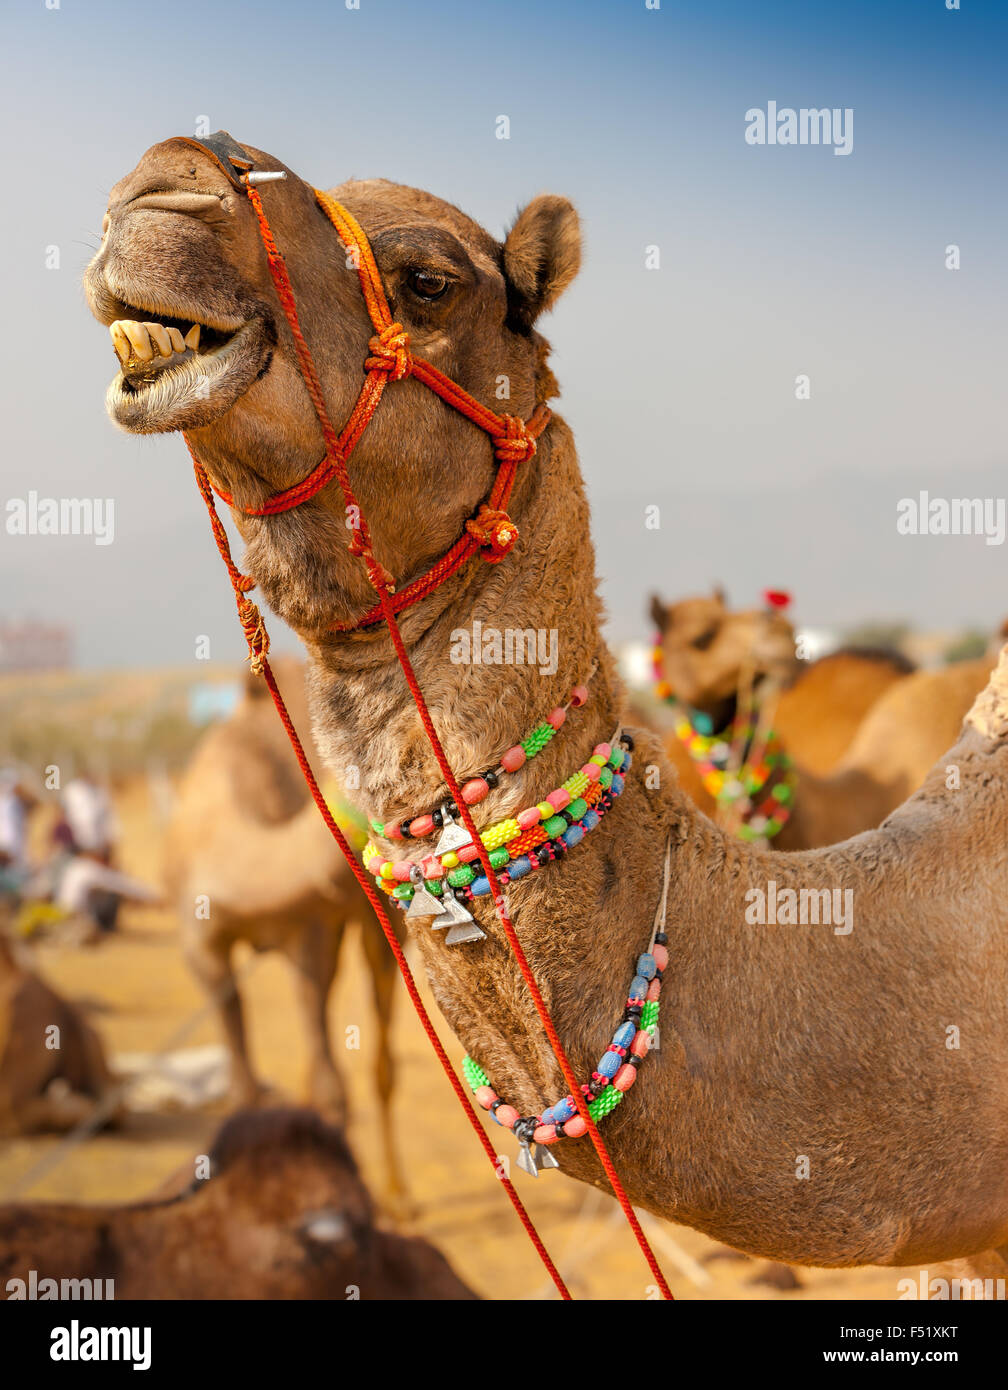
(678, 382)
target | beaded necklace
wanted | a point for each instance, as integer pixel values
(518, 845)
(763, 766)
(616, 1072)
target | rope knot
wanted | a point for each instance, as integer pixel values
(495, 531)
(515, 445)
(390, 352)
(255, 634)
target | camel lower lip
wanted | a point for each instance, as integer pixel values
(187, 392)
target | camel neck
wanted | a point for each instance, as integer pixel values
(494, 651)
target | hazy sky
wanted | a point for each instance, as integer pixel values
(679, 382)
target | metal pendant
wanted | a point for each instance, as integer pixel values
(525, 1160)
(463, 925)
(655, 1038)
(544, 1158)
(423, 902)
(453, 836)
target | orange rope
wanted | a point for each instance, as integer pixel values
(514, 442)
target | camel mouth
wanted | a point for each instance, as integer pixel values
(180, 372)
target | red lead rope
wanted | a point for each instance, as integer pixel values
(514, 441)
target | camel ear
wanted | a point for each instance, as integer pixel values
(542, 254)
(659, 613)
(720, 595)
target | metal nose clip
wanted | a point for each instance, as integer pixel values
(265, 176)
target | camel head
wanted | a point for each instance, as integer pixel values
(181, 279)
(708, 649)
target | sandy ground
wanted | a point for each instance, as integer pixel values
(137, 992)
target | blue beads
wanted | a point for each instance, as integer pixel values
(547, 1117)
(563, 1110)
(480, 886)
(590, 819)
(638, 987)
(646, 966)
(609, 1064)
(625, 1034)
(617, 784)
(572, 835)
(519, 867)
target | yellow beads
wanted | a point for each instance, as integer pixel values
(450, 860)
(576, 784)
(503, 831)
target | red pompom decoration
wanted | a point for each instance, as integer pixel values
(776, 598)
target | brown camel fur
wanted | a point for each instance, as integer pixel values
(45, 1087)
(779, 1043)
(281, 1214)
(249, 859)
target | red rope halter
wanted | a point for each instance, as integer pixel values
(514, 442)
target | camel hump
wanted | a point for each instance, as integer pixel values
(989, 712)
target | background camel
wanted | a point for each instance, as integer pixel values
(281, 1214)
(248, 859)
(780, 1043)
(45, 1087)
(871, 723)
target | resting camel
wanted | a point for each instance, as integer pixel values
(249, 859)
(896, 721)
(784, 1049)
(48, 1080)
(280, 1213)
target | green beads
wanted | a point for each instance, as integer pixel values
(474, 1073)
(555, 826)
(605, 1103)
(577, 809)
(649, 1014)
(500, 856)
(538, 739)
(605, 777)
(403, 891)
(461, 877)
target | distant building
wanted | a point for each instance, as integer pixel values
(34, 646)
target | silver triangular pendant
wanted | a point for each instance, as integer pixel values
(544, 1158)
(463, 932)
(525, 1160)
(453, 836)
(423, 903)
(460, 919)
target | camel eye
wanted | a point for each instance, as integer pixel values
(705, 639)
(427, 284)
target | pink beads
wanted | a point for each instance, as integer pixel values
(579, 696)
(654, 989)
(401, 869)
(556, 716)
(592, 771)
(513, 759)
(423, 825)
(641, 1044)
(485, 1096)
(474, 790)
(625, 1077)
(574, 1128)
(527, 819)
(559, 798)
(660, 954)
(432, 867)
(467, 854)
(507, 1116)
(545, 1134)
(602, 750)
(393, 832)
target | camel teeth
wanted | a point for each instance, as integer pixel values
(160, 337)
(177, 341)
(191, 339)
(139, 339)
(120, 342)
